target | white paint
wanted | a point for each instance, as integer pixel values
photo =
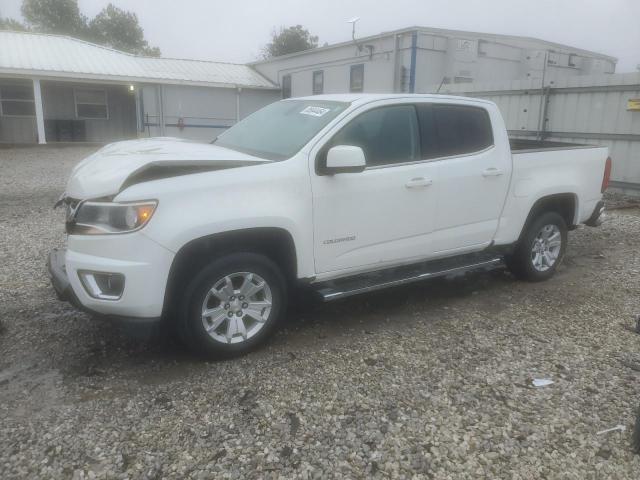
(104, 172)
(340, 224)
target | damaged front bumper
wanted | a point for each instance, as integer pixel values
(59, 278)
(56, 265)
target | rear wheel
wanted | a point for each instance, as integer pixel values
(541, 248)
(233, 305)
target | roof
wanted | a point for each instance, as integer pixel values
(45, 55)
(361, 98)
(449, 33)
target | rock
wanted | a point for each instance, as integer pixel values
(286, 451)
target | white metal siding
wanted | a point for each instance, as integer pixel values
(439, 54)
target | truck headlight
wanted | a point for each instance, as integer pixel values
(100, 218)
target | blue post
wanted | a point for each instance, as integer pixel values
(412, 71)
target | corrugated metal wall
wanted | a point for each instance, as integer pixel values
(583, 109)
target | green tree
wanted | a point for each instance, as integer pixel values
(112, 27)
(11, 24)
(121, 30)
(55, 16)
(289, 40)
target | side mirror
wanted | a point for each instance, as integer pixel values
(345, 159)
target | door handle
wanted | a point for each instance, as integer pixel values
(418, 182)
(492, 172)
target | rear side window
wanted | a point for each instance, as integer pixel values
(459, 129)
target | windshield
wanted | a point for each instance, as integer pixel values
(280, 130)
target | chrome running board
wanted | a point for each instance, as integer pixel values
(370, 282)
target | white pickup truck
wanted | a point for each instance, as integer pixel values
(340, 193)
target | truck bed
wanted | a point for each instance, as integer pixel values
(543, 168)
(525, 145)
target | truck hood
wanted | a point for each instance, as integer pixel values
(119, 165)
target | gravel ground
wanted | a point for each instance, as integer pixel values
(427, 381)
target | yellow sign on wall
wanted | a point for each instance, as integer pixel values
(633, 104)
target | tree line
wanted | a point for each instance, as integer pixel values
(112, 27)
(121, 30)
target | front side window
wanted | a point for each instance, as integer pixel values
(461, 129)
(356, 79)
(91, 103)
(318, 82)
(387, 135)
(280, 130)
(17, 100)
(286, 86)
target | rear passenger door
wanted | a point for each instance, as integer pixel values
(473, 175)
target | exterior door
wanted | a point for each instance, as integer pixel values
(384, 214)
(473, 177)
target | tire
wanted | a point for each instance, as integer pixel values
(538, 255)
(245, 297)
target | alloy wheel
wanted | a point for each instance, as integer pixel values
(236, 307)
(546, 248)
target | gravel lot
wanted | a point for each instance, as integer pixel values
(428, 381)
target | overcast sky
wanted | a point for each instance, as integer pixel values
(236, 30)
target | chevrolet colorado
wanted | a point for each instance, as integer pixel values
(342, 193)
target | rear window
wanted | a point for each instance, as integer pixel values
(456, 129)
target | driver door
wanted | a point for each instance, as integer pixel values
(383, 215)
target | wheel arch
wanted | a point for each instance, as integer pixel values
(565, 204)
(275, 243)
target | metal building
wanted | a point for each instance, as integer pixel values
(60, 89)
(414, 59)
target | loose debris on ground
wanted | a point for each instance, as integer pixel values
(427, 381)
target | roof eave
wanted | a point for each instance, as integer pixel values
(120, 79)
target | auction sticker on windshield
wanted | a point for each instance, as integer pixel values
(315, 111)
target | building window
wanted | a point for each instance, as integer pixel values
(91, 103)
(356, 79)
(286, 86)
(17, 101)
(318, 82)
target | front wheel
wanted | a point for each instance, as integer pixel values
(233, 305)
(541, 248)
